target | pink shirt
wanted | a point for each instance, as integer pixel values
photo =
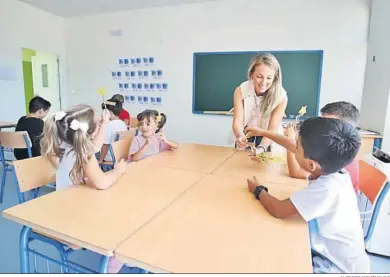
(154, 148)
(353, 169)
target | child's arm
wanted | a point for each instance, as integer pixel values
(103, 152)
(172, 144)
(137, 153)
(294, 169)
(100, 180)
(284, 141)
(275, 120)
(168, 143)
(99, 137)
(277, 208)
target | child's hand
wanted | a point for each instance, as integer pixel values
(121, 166)
(148, 141)
(105, 116)
(252, 184)
(291, 131)
(254, 132)
(253, 157)
(162, 137)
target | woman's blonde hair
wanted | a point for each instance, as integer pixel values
(275, 92)
(58, 131)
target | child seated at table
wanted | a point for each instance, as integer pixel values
(342, 110)
(324, 147)
(152, 140)
(33, 124)
(123, 115)
(70, 140)
(114, 126)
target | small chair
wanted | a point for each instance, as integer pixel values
(118, 150)
(374, 185)
(32, 174)
(8, 142)
(133, 122)
(130, 134)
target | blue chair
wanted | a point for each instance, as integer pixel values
(8, 142)
(119, 149)
(32, 174)
(374, 185)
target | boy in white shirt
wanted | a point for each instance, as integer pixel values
(324, 147)
(115, 125)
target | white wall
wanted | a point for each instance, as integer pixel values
(375, 105)
(24, 26)
(172, 34)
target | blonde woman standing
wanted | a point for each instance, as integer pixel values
(260, 102)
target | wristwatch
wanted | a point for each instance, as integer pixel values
(259, 189)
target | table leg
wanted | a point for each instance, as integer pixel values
(23, 248)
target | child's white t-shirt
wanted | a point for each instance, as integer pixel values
(330, 206)
(64, 168)
(113, 127)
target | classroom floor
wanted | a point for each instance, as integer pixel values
(9, 245)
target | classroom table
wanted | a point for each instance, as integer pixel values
(194, 157)
(4, 125)
(100, 220)
(183, 183)
(241, 166)
(217, 226)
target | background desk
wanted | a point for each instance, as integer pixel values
(368, 143)
(4, 125)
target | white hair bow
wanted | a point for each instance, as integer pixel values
(76, 125)
(59, 115)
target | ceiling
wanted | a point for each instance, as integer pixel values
(71, 8)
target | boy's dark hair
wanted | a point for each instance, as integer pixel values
(343, 110)
(113, 105)
(153, 114)
(119, 97)
(332, 143)
(37, 103)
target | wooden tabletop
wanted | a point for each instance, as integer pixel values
(195, 157)
(101, 220)
(241, 166)
(7, 124)
(217, 226)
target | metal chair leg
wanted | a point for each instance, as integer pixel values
(103, 266)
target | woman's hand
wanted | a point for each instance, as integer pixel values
(240, 141)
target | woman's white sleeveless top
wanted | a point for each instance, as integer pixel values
(252, 103)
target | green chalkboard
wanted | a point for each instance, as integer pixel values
(216, 76)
